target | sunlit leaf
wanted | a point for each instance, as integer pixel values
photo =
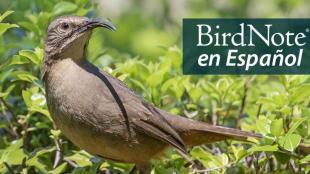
(31, 56)
(266, 148)
(18, 60)
(64, 7)
(5, 26)
(296, 124)
(60, 169)
(239, 152)
(13, 154)
(5, 14)
(276, 127)
(29, 26)
(7, 92)
(305, 159)
(300, 94)
(81, 159)
(155, 79)
(24, 76)
(290, 141)
(263, 125)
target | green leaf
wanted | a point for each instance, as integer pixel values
(263, 125)
(39, 53)
(24, 76)
(137, 84)
(141, 70)
(198, 152)
(276, 127)
(300, 93)
(41, 152)
(5, 26)
(35, 159)
(35, 162)
(155, 79)
(195, 93)
(30, 55)
(81, 158)
(55, 133)
(175, 55)
(29, 26)
(5, 14)
(296, 124)
(290, 141)
(14, 154)
(27, 98)
(283, 158)
(266, 148)
(60, 169)
(64, 7)
(265, 100)
(37, 109)
(7, 91)
(18, 60)
(305, 159)
(239, 152)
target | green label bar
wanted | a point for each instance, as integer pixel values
(246, 46)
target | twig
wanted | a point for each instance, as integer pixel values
(259, 110)
(12, 130)
(107, 171)
(214, 116)
(9, 108)
(255, 163)
(227, 113)
(8, 167)
(58, 154)
(26, 139)
(243, 101)
(71, 163)
(292, 165)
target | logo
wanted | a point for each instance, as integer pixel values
(246, 46)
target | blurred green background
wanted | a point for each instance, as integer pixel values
(145, 53)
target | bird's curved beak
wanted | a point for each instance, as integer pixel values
(96, 22)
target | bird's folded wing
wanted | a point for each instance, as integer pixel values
(144, 117)
(157, 133)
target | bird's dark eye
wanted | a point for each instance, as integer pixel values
(64, 26)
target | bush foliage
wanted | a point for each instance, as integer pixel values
(275, 106)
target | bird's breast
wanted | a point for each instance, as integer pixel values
(74, 94)
(83, 107)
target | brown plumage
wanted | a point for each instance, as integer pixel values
(100, 114)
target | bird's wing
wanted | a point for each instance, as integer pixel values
(152, 122)
(144, 117)
(136, 112)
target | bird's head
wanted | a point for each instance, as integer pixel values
(68, 36)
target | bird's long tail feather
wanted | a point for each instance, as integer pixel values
(196, 133)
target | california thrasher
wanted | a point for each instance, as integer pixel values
(100, 114)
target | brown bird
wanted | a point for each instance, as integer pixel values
(100, 114)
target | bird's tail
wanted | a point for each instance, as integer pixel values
(196, 133)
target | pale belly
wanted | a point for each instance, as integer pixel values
(91, 120)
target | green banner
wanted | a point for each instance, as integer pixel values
(246, 46)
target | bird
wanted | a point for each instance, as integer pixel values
(101, 115)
